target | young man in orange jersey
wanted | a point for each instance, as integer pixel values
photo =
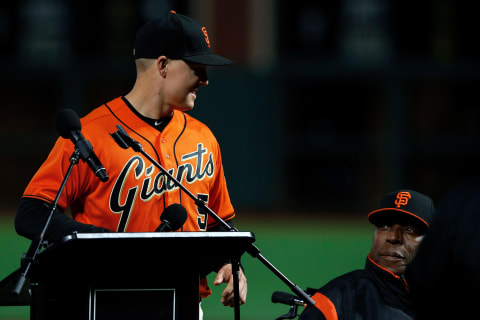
(379, 291)
(171, 55)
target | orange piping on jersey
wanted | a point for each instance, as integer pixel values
(38, 197)
(326, 306)
(385, 269)
(393, 274)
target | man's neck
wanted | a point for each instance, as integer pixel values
(148, 104)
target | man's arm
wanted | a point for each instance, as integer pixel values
(31, 217)
(219, 227)
(225, 275)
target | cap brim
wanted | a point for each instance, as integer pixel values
(209, 59)
(371, 216)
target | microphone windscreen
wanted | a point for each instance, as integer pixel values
(175, 214)
(66, 122)
(283, 297)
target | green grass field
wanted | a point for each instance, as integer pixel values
(309, 252)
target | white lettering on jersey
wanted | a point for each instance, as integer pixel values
(122, 201)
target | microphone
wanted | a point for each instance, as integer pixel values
(172, 218)
(69, 127)
(286, 298)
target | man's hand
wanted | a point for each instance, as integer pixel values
(225, 275)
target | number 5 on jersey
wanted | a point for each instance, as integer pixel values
(202, 213)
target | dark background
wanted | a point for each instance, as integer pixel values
(337, 102)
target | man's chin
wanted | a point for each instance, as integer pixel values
(184, 108)
(395, 268)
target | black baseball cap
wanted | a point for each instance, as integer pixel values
(177, 37)
(406, 203)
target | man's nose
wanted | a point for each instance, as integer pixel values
(202, 76)
(394, 235)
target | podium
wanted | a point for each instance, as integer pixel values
(142, 276)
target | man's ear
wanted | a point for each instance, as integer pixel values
(162, 63)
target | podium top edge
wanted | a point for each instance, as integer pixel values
(160, 235)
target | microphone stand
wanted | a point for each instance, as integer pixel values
(29, 258)
(122, 138)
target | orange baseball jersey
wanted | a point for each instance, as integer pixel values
(137, 192)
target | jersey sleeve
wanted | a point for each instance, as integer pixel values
(47, 180)
(219, 200)
(324, 309)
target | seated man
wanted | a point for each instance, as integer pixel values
(379, 291)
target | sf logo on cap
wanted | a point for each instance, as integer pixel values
(402, 198)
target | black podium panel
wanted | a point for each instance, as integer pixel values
(134, 304)
(117, 275)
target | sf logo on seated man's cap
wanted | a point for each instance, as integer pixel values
(402, 198)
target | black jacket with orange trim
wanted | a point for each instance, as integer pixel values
(372, 293)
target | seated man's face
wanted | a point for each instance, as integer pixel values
(395, 242)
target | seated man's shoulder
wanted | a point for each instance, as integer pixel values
(337, 287)
(333, 295)
(352, 278)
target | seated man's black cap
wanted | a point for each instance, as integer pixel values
(407, 203)
(177, 37)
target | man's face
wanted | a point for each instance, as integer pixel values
(394, 243)
(184, 80)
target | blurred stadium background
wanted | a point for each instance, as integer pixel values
(330, 105)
